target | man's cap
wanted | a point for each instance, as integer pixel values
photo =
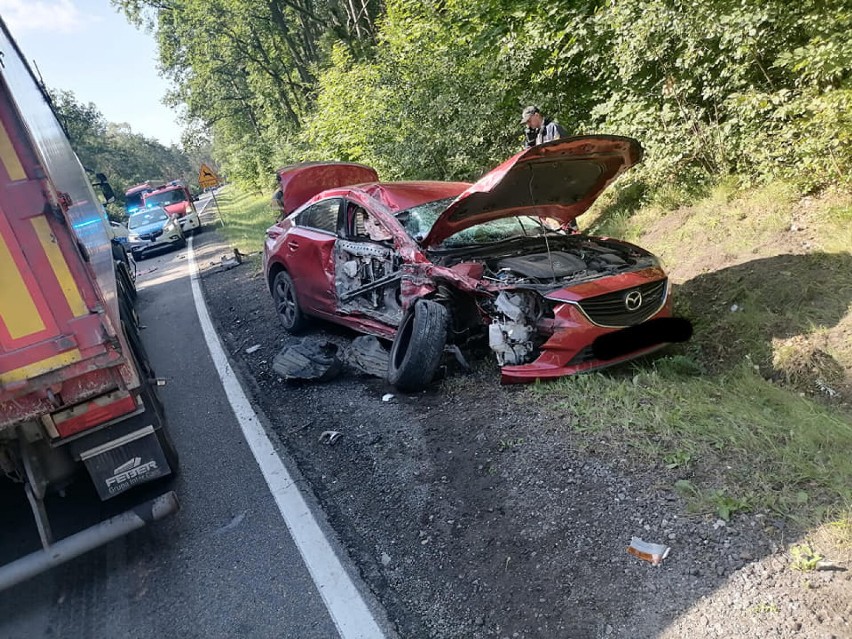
(528, 112)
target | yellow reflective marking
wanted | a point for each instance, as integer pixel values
(9, 157)
(40, 368)
(60, 267)
(17, 308)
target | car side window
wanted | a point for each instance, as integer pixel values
(361, 225)
(321, 216)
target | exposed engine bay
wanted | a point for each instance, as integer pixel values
(515, 313)
(508, 303)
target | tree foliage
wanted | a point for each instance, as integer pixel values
(126, 158)
(433, 88)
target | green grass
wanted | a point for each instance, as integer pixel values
(246, 218)
(749, 443)
(767, 303)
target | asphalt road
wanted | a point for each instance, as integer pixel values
(225, 565)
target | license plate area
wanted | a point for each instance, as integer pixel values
(118, 466)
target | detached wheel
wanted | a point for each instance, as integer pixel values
(286, 304)
(418, 346)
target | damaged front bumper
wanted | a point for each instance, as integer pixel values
(578, 346)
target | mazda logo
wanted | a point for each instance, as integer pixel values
(633, 300)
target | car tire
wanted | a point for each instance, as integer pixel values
(418, 346)
(287, 304)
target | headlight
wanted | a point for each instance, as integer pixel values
(188, 209)
(132, 237)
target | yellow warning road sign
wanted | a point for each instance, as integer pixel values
(207, 178)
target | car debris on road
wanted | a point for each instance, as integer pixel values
(653, 553)
(309, 359)
(330, 437)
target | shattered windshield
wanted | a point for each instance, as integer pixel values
(418, 221)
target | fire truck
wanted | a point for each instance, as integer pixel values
(79, 409)
(176, 199)
(133, 197)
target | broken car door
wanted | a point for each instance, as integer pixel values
(367, 275)
(308, 250)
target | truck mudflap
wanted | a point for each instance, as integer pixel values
(88, 539)
(119, 465)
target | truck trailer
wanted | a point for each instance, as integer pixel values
(78, 396)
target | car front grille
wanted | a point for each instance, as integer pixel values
(151, 236)
(587, 354)
(612, 309)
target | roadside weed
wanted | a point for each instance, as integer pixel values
(509, 444)
(677, 459)
(805, 559)
(764, 609)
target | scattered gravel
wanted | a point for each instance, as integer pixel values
(471, 514)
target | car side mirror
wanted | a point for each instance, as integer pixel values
(109, 194)
(102, 182)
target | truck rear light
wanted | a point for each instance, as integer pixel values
(93, 413)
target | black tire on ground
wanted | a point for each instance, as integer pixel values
(198, 228)
(418, 347)
(182, 243)
(287, 304)
(130, 324)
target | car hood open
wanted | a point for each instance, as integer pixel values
(559, 179)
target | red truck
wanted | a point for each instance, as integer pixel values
(78, 397)
(176, 199)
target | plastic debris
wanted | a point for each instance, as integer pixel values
(367, 354)
(330, 437)
(387, 397)
(253, 349)
(309, 359)
(653, 553)
(735, 308)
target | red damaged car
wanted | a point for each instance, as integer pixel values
(430, 265)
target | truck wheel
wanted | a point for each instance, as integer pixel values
(130, 324)
(418, 346)
(125, 283)
(286, 303)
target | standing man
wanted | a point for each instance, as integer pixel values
(538, 130)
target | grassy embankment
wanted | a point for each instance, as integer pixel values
(246, 218)
(754, 412)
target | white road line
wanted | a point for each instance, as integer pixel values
(345, 604)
